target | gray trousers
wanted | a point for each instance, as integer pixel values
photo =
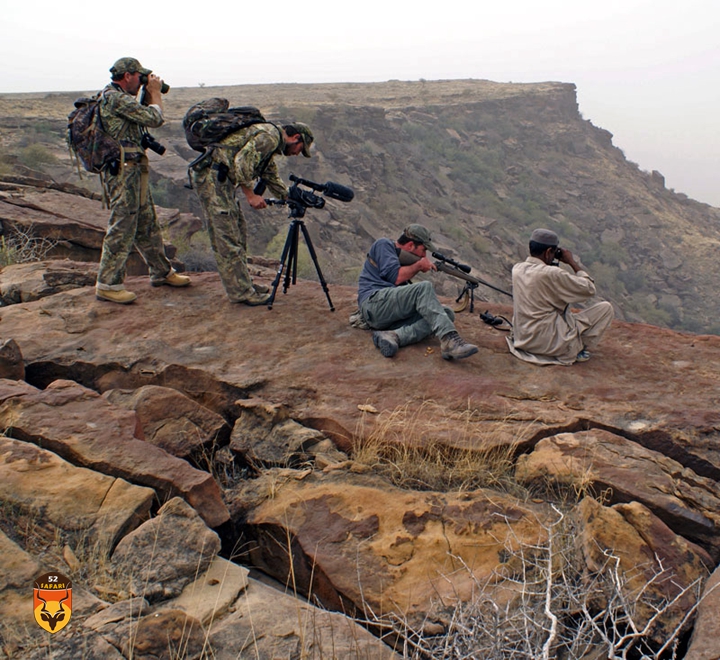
(412, 311)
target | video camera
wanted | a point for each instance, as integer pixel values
(298, 200)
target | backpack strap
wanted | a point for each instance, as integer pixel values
(266, 161)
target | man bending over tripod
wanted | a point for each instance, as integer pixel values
(237, 161)
(401, 312)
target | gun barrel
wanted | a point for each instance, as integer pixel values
(475, 281)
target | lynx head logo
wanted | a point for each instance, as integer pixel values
(52, 601)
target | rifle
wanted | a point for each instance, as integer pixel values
(461, 271)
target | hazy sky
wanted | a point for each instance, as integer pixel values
(646, 70)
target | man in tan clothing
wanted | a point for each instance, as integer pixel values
(545, 330)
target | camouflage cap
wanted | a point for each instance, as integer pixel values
(545, 237)
(307, 136)
(128, 65)
(419, 234)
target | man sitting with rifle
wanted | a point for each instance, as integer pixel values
(402, 312)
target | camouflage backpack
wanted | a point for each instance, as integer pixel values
(209, 121)
(86, 137)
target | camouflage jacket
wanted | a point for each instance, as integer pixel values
(249, 154)
(125, 119)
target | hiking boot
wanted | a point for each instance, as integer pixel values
(583, 356)
(387, 342)
(454, 347)
(172, 279)
(261, 288)
(254, 298)
(123, 296)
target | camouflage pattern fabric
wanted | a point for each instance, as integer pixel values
(125, 119)
(246, 152)
(227, 231)
(132, 221)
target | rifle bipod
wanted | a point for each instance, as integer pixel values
(467, 296)
(289, 262)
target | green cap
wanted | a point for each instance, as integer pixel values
(128, 65)
(307, 136)
(419, 234)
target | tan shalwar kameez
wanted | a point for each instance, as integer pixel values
(545, 331)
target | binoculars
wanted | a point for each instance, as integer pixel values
(164, 87)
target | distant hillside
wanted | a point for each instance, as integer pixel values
(478, 162)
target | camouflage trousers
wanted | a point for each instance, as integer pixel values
(132, 222)
(227, 230)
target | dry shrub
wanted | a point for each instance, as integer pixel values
(19, 246)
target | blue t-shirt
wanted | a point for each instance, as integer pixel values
(380, 270)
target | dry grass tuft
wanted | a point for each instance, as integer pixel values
(406, 449)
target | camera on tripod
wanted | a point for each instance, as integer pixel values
(305, 199)
(298, 200)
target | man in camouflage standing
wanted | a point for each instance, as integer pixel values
(132, 220)
(238, 161)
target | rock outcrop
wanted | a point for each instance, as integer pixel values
(146, 399)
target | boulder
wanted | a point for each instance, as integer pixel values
(267, 623)
(17, 567)
(264, 434)
(11, 361)
(76, 643)
(26, 282)
(624, 471)
(42, 484)
(705, 641)
(357, 544)
(72, 226)
(211, 595)
(172, 421)
(166, 553)
(654, 566)
(84, 428)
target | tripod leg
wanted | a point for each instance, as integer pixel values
(313, 256)
(286, 250)
(291, 273)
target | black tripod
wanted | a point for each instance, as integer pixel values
(297, 201)
(289, 258)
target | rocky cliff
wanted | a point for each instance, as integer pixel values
(187, 460)
(481, 163)
(406, 492)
